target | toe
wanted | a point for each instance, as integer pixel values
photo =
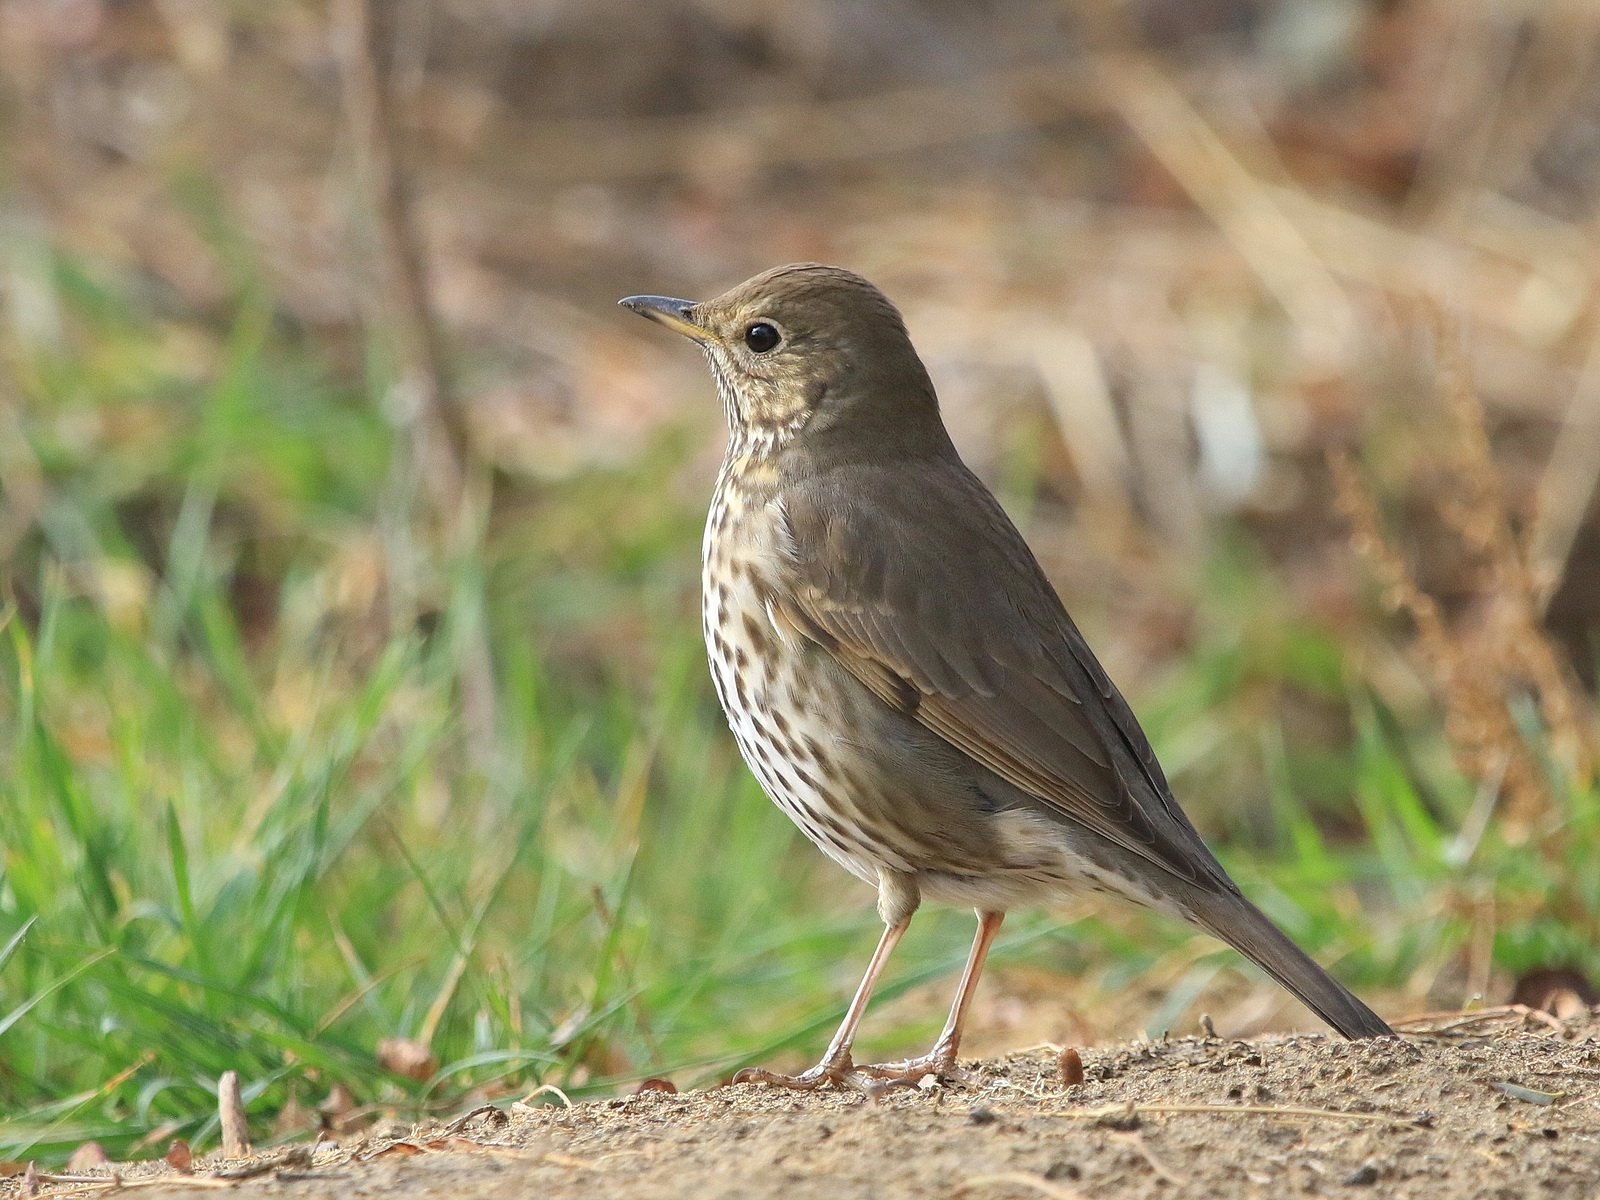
(912, 1072)
(839, 1073)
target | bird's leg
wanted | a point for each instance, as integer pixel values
(941, 1060)
(836, 1067)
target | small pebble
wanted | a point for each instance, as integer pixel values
(1363, 1176)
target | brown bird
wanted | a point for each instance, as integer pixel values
(898, 671)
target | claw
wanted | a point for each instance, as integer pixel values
(836, 1072)
(911, 1072)
(874, 1079)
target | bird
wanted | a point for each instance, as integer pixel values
(900, 675)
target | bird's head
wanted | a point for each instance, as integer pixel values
(807, 351)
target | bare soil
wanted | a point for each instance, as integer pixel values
(1505, 1103)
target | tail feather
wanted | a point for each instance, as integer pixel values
(1248, 930)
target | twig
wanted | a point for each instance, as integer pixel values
(495, 1115)
(295, 1156)
(230, 1113)
(1426, 1023)
(437, 441)
(547, 1089)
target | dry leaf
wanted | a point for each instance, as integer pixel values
(180, 1157)
(454, 1143)
(403, 1056)
(90, 1154)
(404, 1149)
(336, 1106)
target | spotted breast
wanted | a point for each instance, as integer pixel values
(786, 710)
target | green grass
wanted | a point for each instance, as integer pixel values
(243, 824)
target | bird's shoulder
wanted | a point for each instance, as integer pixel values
(925, 544)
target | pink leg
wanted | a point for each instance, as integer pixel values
(836, 1066)
(941, 1060)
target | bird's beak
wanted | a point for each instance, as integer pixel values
(674, 314)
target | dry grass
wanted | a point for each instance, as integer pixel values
(1496, 652)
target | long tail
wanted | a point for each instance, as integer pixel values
(1246, 928)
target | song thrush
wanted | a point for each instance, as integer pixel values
(899, 673)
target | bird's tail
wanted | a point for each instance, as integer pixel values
(1246, 928)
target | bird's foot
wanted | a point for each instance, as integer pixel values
(875, 1079)
(835, 1071)
(940, 1063)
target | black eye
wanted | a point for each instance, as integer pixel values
(761, 337)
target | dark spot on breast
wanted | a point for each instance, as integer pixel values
(832, 822)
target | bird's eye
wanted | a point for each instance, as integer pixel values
(761, 337)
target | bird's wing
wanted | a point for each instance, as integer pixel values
(917, 583)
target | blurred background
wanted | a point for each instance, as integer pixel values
(355, 731)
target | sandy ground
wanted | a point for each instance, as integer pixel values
(1491, 1105)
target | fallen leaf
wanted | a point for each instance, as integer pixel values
(180, 1157)
(337, 1105)
(404, 1149)
(403, 1056)
(90, 1154)
(1527, 1095)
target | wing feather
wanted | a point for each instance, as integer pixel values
(924, 591)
